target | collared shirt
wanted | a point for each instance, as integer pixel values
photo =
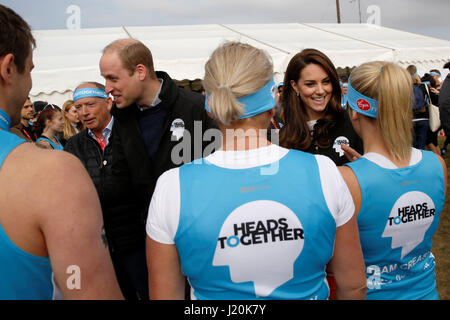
(75, 127)
(156, 100)
(106, 132)
(151, 122)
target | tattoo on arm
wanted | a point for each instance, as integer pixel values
(103, 235)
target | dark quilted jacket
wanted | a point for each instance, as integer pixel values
(124, 223)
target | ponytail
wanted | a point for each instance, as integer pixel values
(224, 105)
(233, 71)
(391, 86)
(395, 112)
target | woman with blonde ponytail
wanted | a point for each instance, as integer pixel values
(252, 220)
(399, 191)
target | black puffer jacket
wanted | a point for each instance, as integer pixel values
(341, 132)
(122, 217)
(130, 154)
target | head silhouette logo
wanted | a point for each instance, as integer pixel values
(363, 104)
(177, 128)
(337, 144)
(259, 242)
(410, 218)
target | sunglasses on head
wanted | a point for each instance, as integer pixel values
(51, 106)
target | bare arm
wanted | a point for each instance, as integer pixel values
(71, 223)
(353, 186)
(444, 168)
(347, 264)
(166, 280)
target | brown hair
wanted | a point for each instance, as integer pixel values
(295, 133)
(132, 52)
(15, 37)
(46, 114)
(412, 69)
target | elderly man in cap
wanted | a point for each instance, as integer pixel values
(93, 146)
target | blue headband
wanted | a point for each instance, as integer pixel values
(89, 92)
(434, 74)
(256, 103)
(360, 103)
(5, 120)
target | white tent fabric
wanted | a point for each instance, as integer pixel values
(64, 58)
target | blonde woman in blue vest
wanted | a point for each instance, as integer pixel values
(252, 220)
(399, 191)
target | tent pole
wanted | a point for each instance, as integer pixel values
(359, 9)
(338, 11)
(126, 31)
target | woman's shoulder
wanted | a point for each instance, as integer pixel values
(43, 143)
(43, 140)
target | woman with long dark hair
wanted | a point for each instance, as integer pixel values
(314, 120)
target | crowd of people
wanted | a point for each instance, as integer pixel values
(315, 188)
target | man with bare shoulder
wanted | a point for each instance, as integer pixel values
(50, 236)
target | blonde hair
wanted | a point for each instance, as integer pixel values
(391, 86)
(234, 70)
(69, 130)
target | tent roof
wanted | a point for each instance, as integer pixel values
(64, 58)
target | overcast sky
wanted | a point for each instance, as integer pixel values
(418, 16)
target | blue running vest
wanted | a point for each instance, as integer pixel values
(399, 215)
(246, 235)
(23, 276)
(55, 146)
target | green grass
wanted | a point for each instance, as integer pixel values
(441, 242)
(441, 251)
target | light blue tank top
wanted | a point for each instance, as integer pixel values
(23, 276)
(246, 235)
(55, 146)
(399, 215)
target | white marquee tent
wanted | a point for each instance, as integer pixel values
(64, 58)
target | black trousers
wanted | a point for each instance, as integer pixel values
(132, 274)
